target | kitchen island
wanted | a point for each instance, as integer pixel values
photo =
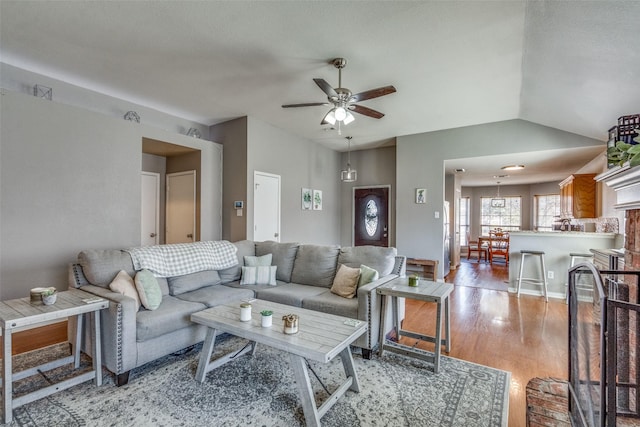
(557, 245)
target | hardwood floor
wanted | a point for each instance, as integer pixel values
(525, 336)
(491, 327)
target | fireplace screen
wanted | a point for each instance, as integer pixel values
(604, 318)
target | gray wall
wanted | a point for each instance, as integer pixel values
(420, 164)
(375, 167)
(233, 136)
(300, 163)
(70, 180)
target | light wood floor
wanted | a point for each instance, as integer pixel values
(491, 327)
(525, 336)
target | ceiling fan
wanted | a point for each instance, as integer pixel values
(343, 101)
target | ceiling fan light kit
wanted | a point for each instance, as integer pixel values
(343, 102)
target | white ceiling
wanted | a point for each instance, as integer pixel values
(574, 66)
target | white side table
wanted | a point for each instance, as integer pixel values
(426, 291)
(21, 314)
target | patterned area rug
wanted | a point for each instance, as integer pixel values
(260, 391)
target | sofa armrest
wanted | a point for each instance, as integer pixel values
(400, 266)
(369, 308)
(118, 330)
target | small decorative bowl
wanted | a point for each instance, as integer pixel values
(49, 299)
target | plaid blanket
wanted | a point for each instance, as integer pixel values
(184, 258)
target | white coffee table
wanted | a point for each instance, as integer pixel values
(20, 314)
(429, 291)
(321, 337)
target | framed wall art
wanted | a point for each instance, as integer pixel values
(306, 199)
(317, 200)
(421, 195)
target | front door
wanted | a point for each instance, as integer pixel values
(181, 207)
(371, 216)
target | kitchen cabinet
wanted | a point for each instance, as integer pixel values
(578, 196)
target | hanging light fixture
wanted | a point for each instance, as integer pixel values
(349, 175)
(498, 202)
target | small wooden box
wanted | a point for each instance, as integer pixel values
(429, 268)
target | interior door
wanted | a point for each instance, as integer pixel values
(266, 207)
(371, 216)
(150, 216)
(181, 207)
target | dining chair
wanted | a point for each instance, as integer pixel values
(499, 245)
(475, 246)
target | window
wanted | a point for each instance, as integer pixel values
(463, 212)
(508, 217)
(546, 208)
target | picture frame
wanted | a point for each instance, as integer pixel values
(317, 200)
(306, 198)
(421, 196)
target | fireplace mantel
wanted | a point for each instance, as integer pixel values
(625, 181)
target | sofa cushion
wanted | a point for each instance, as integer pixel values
(172, 314)
(331, 303)
(216, 295)
(148, 289)
(288, 293)
(367, 275)
(260, 275)
(164, 285)
(190, 282)
(346, 281)
(101, 266)
(284, 255)
(245, 248)
(316, 265)
(379, 258)
(123, 284)
(256, 261)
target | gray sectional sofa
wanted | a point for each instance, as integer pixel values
(131, 338)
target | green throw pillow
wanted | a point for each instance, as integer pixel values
(367, 275)
(257, 261)
(261, 275)
(148, 289)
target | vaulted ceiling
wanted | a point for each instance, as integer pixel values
(571, 65)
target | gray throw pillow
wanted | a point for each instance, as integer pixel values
(255, 261)
(284, 255)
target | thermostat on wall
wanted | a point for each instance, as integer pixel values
(238, 204)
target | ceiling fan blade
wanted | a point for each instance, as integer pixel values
(326, 87)
(366, 111)
(308, 104)
(373, 93)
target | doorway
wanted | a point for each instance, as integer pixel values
(266, 206)
(181, 207)
(150, 225)
(371, 216)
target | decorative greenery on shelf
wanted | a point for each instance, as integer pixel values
(266, 312)
(49, 292)
(622, 152)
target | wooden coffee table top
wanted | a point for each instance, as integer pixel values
(320, 336)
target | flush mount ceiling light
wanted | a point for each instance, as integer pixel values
(512, 167)
(349, 175)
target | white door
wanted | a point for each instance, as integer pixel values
(181, 207)
(266, 206)
(150, 221)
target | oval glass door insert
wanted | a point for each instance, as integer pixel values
(371, 217)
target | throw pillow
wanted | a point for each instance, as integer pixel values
(260, 275)
(367, 275)
(123, 284)
(148, 289)
(257, 261)
(346, 281)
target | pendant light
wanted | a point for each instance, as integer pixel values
(349, 175)
(498, 202)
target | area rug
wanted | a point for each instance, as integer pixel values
(260, 390)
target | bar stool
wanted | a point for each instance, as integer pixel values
(538, 281)
(574, 256)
